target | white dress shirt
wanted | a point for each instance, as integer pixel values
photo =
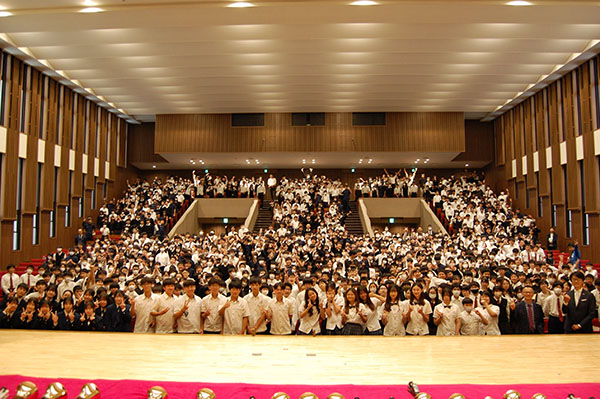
(214, 321)
(143, 306)
(233, 318)
(280, 313)
(257, 304)
(447, 326)
(189, 322)
(6, 282)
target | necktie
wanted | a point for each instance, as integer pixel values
(11, 282)
(530, 315)
(29, 280)
(560, 313)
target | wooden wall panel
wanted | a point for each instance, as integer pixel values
(563, 98)
(479, 142)
(443, 132)
(51, 137)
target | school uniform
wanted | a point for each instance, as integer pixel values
(280, 313)
(354, 323)
(310, 322)
(492, 327)
(333, 323)
(372, 326)
(189, 322)
(447, 326)
(143, 306)
(65, 323)
(9, 320)
(103, 319)
(43, 323)
(417, 324)
(234, 316)
(88, 324)
(214, 322)
(165, 322)
(257, 304)
(9, 282)
(394, 324)
(121, 321)
(470, 323)
(29, 280)
(553, 311)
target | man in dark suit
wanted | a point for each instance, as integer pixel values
(527, 315)
(552, 239)
(579, 306)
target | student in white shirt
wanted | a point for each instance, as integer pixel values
(310, 312)
(28, 278)
(141, 307)
(553, 310)
(163, 309)
(10, 280)
(288, 295)
(257, 303)
(490, 313)
(445, 315)
(419, 311)
(235, 311)
(280, 312)
(469, 320)
(333, 311)
(353, 314)
(395, 313)
(372, 303)
(212, 319)
(186, 310)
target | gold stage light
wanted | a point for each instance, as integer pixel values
(157, 393)
(538, 396)
(423, 395)
(335, 395)
(206, 393)
(280, 395)
(512, 394)
(26, 390)
(308, 395)
(89, 391)
(457, 396)
(55, 391)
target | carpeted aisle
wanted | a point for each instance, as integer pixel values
(136, 389)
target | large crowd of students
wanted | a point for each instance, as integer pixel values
(306, 274)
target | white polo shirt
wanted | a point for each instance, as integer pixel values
(280, 314)
(234, 316)
(214, 321)
(189, 322)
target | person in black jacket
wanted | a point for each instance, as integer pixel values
(27, 316)
(502, 303)
(45, 318)
(9, 317)
(551, 240)
(579, 306)
(68, 319)
(104, 315)
(528, 316)
(121, 313)
(87, 321)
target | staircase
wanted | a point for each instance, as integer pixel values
(353, 225)
(265, 217)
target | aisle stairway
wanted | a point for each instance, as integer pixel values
(353, 224)
(265, 217)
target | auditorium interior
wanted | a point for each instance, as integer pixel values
(374, 98)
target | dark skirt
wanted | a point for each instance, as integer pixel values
(376, 332)
(352, 329)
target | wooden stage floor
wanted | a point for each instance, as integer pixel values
(302, 360)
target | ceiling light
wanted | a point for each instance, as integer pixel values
(518, 3)
(240, 4)
(304, 161)
(5, 14)
(191, 161)
(257, 161)
(88, 10)
(360, 161)
(364, 3)
(466, 164)
(89, 3)
(153, 166)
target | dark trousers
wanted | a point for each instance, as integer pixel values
(555, 326)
